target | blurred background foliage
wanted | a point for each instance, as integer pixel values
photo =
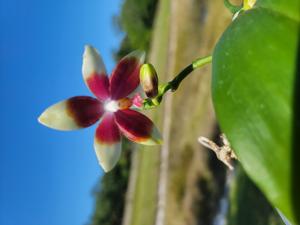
(110, 192)
(136, 22)
(247, 205)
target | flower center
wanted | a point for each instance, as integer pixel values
(111, 106)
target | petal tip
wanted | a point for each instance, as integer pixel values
(107, 155)
(71, 114)
(92, 62)
(107, 164)
(42, 119)
(89, 50)
(138, 54)
(141, 55)
(105, 169)
(152, 142)
(159, 142)
(46, 119)
(155, 137)
(87, 46)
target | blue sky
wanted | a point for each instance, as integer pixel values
(47, 176)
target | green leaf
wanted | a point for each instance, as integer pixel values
(255, 87)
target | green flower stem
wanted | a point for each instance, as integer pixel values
(232, 8)
(174, 84)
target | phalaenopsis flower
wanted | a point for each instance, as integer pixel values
(114, 104)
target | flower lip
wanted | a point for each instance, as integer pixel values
(111, 106)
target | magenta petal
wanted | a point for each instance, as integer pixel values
(94, 73)
(107, 143)
(99, 85)
(73, 113)
(108, 131)
(125, 78)
(137, 127)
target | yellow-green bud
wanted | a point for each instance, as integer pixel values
(248, 4)
(149, 80)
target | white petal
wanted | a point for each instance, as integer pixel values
(108, 155)
(57, 117)
(71, 114)
(92, 62)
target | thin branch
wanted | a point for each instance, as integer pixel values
(224, 153)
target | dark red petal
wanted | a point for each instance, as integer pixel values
(99, 85)
(125, 78)
(73, 113)
(137, 127)
(107, 142)
(108, 132)
(84, 110)
(94, 73)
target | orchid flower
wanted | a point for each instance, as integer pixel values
(113, 105)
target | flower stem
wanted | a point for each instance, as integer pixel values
(174, 84)
(232, 8)
(186, 71)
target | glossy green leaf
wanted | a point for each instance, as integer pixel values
(255, 86)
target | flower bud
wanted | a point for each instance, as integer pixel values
(149, 80)
(248, 4)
